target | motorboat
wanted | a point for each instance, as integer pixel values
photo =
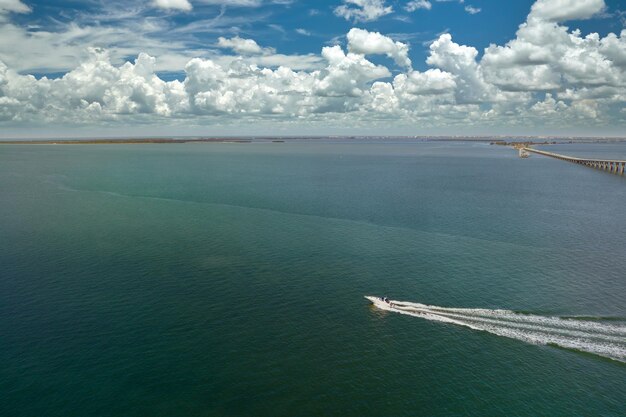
(380, 302)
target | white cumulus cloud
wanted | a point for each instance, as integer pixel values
(242, 46)
(361, 41)
(546, 56)
(460, 60)
(363, 10)
(562, 10)
(472, 10)
(234, 3)
(173, 4)
(414, 5)
(13, 6)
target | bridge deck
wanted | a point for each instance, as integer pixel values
(574, 159)
(611, 165)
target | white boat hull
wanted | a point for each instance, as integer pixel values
(378, 302)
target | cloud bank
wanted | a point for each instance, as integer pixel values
(547, 76)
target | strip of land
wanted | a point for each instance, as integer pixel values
(119, 141)
(515, 141)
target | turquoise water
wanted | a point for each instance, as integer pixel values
(228, 279)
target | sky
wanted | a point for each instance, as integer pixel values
(99, 68)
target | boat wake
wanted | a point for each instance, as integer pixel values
(587, 335)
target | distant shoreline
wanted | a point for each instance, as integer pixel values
(118, 141)
(494, 140)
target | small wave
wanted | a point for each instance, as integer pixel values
(586, 334)
(595, 318)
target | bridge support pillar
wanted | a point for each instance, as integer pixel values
(612, 166)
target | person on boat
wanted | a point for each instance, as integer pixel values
(388, 301)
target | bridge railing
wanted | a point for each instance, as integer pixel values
(611, 165)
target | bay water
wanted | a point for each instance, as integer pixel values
(227, 279)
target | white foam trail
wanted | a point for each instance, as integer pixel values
(608, 340)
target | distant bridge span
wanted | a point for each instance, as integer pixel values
(610, 165)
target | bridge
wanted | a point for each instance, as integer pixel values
(613, 166)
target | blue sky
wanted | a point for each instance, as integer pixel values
(304, 67)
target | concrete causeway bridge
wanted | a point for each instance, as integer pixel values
(613, 166)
